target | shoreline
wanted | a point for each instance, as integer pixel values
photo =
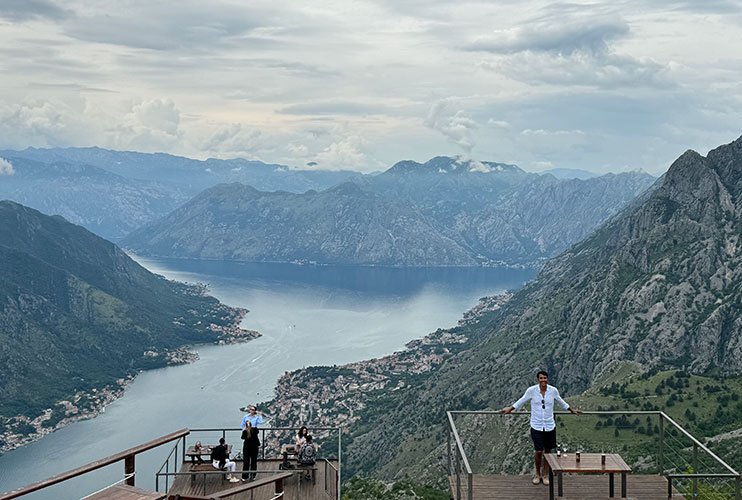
(85, 405)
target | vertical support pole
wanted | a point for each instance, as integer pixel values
(738, 488)
(470, 484)
(340, 464)
(157, 482)
(184, 448)
(224, 434)
(448, 449)
(129, 469)
(669, 488)
(662, 445)
(695, 469)
(262, 445)
(458, 477)
(167, 475)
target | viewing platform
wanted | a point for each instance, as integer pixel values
(647, 455)
(183, 477)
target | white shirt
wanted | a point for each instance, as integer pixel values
(542, 408)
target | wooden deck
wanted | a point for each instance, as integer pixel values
(294, 489)
(124, 492)
(488, 487)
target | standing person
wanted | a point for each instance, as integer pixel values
(250, 449)
(543, 428)
(254, 417)
(220, 460)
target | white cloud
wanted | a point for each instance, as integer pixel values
(342, 155)
(6, 168)
(455, 124)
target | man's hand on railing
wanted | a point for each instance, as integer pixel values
(574, 412)
(506, 411)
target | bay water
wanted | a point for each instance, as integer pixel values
(307, 315)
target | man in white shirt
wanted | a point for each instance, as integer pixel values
(543, 428)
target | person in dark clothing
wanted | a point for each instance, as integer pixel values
(220, 460)
(250, 450)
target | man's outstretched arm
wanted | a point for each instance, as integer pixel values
(518, 404)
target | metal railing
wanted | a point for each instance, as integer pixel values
(127, 456)
(270, 439)
(657, 444)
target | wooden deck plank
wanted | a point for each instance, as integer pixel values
(124, 492)
(294, 490)
(490, 487)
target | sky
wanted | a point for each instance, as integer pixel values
(600, 86)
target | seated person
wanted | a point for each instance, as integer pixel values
(293, 449)
(220, 460)
(307, 453)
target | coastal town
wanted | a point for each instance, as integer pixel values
(329, 396)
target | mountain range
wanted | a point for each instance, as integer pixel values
(445, 212)
(658, 286)
(114, 192)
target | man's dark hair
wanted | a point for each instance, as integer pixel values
(221, 441)
(309, 438)
(542, 373)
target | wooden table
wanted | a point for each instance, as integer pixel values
(204, 451)
(589, 463)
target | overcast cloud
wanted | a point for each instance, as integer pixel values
(603, 86)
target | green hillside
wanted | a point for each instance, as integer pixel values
(77, 314)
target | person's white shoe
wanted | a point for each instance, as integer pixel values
(546, 480)
(536, 479)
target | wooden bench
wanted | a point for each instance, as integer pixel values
(205, 467)
(306, 470)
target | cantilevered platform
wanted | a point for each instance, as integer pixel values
(324, 487)
(502, 487)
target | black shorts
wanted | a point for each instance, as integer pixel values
(543, 440)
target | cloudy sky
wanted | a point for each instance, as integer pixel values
(603, 86)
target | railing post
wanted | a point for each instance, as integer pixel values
(157, 482)
(662, 444)
(669, 488)
(167, 475)
(262, 445)
(448, 450)
(458, 477)
(129, 469)
(695, 469)
(738, 488)
(470, 484)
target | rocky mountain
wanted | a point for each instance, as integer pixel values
(108, 204)
(343, 225)
(445, 212)
(114, 192)
(77, 314)
(659, 286)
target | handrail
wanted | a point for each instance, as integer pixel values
(733, 474)
(701, 445)
(123, 455)
(237, 489)
(458, 442)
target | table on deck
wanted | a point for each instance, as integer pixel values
(203, 451)
(588, 463)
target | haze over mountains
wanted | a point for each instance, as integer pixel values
(660, 285)
(114, 192)
(445, 212)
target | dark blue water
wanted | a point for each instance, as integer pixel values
(308, 315)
